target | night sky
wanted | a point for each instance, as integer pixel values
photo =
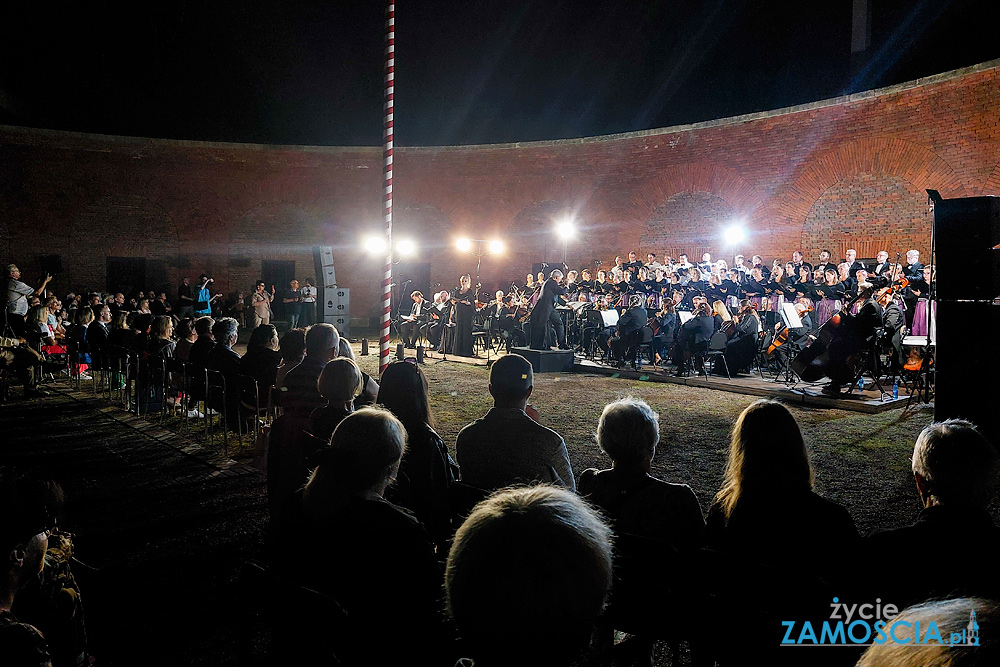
(476, 71)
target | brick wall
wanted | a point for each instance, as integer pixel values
(841, 173)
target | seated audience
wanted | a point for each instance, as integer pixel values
(293, 351)
(225, 360)
(300, 395)
(186, 338)
(76, 337)
(120, 333)
(507, 446)
(957, 618)
(427, 470)
(766, 511)
(198, 355)
(635, 501)
(527, 577)
(25, 521)
(339, 383)
(372, 557)
(97, 336)
(369, 387)
(161, 344)
(955, 472)
(262, 356)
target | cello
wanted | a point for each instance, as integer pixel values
(838, 351)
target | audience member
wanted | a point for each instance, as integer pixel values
(955, 472)
(120, 333)
(198, 356)
(958, 617)
(160, 343)
(262, 357)
(427, 470)
(369, 387)
(17, 297)
(97, 336)
(300, 395)
(527, 577)
(339, 383)
(186, 338)
(293, 351)
(635, 501)
(507, 446)
(375, 560)
(766, 511)
(25, 522)
(225, 360)
(76, 336)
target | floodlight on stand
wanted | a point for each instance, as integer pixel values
(566, 229)
(734, 235)
(464, 245)
(496, 247)
(406, 247)
(375, 245)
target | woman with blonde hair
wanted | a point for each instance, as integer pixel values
(766, 510)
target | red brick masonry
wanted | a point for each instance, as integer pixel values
(838, 173)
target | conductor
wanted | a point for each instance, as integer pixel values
(544, 313)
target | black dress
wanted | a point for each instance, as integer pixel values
(465, 313)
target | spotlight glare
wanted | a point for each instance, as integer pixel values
(464, 245)
(734, 234)
(375, 245)
(496, 247)
(406, 247)
(565, 229)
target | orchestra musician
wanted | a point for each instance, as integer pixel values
(463, 316)
(544, 314)
(624, 343)
(440, 316)
(694, 336)
(413, 324)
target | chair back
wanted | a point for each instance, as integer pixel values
(647, 335)
(718, 341)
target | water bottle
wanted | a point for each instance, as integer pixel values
(895, 390)
(861, 383)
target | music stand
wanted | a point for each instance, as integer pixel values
(791, 320)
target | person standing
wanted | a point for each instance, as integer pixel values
(307, 309)
(544, 313)
(292, 298)
(465, 312)
(261, 301)
(204, 299)
(17, 297)
(185, 299)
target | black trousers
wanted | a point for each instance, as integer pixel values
(540, 331)
(626, 345)
(410, 332)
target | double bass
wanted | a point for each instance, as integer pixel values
(839, 350)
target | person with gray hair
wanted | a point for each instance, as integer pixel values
(634, 500)
(375, 559)
(955, 474)
(973, 622)
(300, 389)
(544, 315)
(224, 359)
(527, 577)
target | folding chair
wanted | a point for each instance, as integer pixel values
(716, 350)
(215, 394)
(249, 402)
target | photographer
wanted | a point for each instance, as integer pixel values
(203, 300)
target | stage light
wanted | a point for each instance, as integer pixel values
(734, 235)
(464, 245)
(565, 229)
(496, 247)
(375, 245)
(406, 247)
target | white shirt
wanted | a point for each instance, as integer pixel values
(308, 294)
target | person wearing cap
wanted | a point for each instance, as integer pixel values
(508, 445)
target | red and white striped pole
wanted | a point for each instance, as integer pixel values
(390, 66)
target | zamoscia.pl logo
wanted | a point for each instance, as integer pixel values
(867, 624)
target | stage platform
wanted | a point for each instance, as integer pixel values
(802, 394)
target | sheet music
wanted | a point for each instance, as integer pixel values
(685, 315)
(610, 317)
(791, 318)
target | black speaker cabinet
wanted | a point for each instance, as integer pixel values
(967, 375)
(965, 232)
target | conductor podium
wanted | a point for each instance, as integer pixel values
(547, 361)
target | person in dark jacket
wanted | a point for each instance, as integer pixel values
(426, 471)
(544, 314)
(625, 343)
(225, 360)
(694, 336)
(941, 554)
